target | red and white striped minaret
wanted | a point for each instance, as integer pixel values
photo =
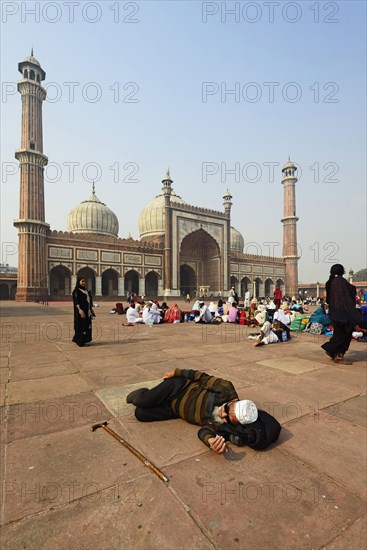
(289, 221)
(32, 229)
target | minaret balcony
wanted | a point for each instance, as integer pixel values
(31, 156)
(289, 220)
(30, 87)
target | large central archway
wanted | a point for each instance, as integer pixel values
(132, 281)
(151, 284)
(109, 282)
(201, 249)
(188, 280)
(60, 281)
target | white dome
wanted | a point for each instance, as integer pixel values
(237, 241)
(151, 219)
(31, 59)
(93, 216)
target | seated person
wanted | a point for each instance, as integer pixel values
(320, 317)
(213, 309)
(173, 314)
(260, 316)
(269, 334)
(297, 307)
(233, 313)
(243, 319)
(281, 316)
(204, 314)
(151, 316)
(251, 314)
(132, 316)
(139, 306)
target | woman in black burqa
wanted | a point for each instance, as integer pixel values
(83, 312)
(341, 298)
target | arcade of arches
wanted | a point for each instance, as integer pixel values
(61, 283)
(257, 287)
(198, 248)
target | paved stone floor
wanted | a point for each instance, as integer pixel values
(66, 487)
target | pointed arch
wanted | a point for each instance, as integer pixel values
(245, 285)
(201, 251)
(60, 281)
(269, 288)
(151, 284)
(110, 282)
(131, 280)
(90, 276)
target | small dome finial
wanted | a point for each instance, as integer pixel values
(167, 182)
(167, 176)
(93, 189)
(32, 51)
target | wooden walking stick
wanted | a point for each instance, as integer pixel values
(123, 442)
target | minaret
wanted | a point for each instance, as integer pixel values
(32, 229)
(289, 221)
(167, 258)
(227, 198)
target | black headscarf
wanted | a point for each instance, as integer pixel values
(78, 285)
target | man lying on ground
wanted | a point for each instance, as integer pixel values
(210, 402)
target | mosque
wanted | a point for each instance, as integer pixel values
(182, 248)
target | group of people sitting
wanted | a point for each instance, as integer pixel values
(151, 313)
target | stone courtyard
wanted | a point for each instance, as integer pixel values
(66, 487)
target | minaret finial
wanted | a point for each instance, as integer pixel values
(93, 189)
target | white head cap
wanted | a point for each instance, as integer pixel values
(246, 411)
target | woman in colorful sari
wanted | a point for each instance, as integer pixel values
(83, 313)
(173, 314)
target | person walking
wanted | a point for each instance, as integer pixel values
(341, 298)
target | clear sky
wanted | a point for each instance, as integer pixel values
(135, 87)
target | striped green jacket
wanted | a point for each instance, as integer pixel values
(198, 397)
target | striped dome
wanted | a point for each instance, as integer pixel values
(151, 219)
(237, 241)
(93, 216)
